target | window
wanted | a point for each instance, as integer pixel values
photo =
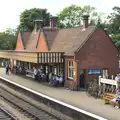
(70, 69)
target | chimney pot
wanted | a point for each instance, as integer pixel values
(85, 20)
(53, 22)
(38, 24)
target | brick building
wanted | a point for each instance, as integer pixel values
(79, 54)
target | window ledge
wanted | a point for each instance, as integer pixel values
(70, 78)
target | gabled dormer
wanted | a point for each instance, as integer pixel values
(19, 44)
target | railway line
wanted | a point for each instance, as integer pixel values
(26, 108)
(37, 106)
(5, 115)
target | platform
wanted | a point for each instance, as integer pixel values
(77, 99)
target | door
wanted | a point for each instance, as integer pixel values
(82, 78)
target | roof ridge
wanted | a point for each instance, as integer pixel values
(38, 38)
(76, 27)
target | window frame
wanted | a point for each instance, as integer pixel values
(70, 69)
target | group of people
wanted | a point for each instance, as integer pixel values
(55, 80)
(38, 74)
(116, 100)
(52, 79)
(19, 69)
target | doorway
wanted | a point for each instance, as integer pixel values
(82, 79)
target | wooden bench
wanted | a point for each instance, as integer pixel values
(108, 97)
(30, 74)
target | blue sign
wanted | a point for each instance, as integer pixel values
(95, 71)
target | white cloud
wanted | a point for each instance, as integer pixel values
(11, 9)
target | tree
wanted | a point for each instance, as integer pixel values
(27, 18)
(8, 39)
(114, 21)
(72, 16)
(114, 26)
(116, 40)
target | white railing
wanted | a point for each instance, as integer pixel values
(107, 81)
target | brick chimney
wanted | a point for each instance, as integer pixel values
(53, 22)
(38, 24)
(85, 20)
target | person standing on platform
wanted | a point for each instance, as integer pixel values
(7, 68)
(50, 77)
(35, 73)
(117, 78)
(10, 70)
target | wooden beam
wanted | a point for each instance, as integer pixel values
(21, 56)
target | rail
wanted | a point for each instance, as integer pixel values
(63, 107)
(26, 107)
(8, 114)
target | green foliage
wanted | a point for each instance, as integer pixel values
(114, 26)
(116, 40)
(114, 21)
(27, 18)
(8, 40)
(72, 16)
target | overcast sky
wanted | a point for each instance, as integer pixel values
(11, 9)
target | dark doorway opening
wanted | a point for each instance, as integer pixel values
(82, 79)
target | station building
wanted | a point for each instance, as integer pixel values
(78, 54)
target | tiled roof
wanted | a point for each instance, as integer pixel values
(25, 37)
(58, 40)
(49, 36)
(33, 40)
(69, 40)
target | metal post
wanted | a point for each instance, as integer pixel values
(99, 80)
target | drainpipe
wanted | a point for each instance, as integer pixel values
(78, 81)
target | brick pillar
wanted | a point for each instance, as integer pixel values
(76, 74)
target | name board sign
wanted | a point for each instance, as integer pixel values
(108, 81)
(94, 71)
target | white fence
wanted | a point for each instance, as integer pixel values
(107, 81)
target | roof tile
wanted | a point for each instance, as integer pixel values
(69, 40)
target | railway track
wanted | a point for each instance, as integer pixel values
(26, 108)
(5, 115)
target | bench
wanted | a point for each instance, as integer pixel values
(108, 97)
(30, 74)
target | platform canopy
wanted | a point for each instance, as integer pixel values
(33, 57)
(19, 55)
